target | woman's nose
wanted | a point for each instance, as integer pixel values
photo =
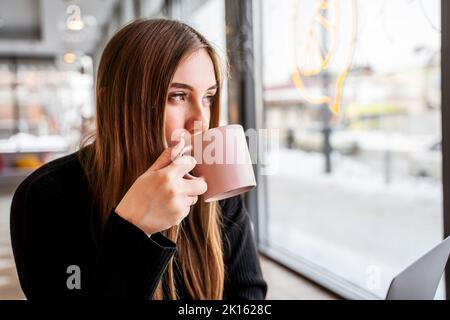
(198, 120)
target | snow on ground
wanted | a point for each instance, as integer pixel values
(351, 222)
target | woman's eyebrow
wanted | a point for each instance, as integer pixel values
(186, 86)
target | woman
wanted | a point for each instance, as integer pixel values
(103, 222)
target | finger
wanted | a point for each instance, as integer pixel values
(182, 165)
(194, 187)
(187, 150)
(166, 156)
(189, 176)
(179, 151)
(191, 200)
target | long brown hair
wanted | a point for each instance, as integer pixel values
(135, 71)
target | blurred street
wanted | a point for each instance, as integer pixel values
(396, 223)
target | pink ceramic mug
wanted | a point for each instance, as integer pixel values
(223, 160)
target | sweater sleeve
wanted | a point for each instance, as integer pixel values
(244, 279)
(49, 234)
(129, 263)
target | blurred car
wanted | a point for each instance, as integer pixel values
(312, 141)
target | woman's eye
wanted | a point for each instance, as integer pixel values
(210, 99)
(177, 97)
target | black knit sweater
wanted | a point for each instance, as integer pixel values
(56, 236)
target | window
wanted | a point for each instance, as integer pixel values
(354, 88)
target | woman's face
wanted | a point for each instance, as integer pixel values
(190, 96)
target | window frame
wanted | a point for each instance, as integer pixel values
(251, 114)
(445, 118)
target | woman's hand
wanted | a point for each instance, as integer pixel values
(161, 198)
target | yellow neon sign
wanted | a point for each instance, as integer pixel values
(316, 62)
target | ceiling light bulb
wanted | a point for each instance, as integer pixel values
(75, 25)
(69, 57)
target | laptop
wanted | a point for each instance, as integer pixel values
(420, 280)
